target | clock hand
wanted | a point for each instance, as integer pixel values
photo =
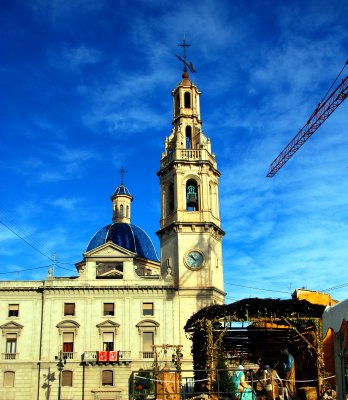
(193, 258)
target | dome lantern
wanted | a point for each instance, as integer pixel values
(121, 202)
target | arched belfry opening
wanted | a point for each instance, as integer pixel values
(187, 100)
(192, 203)
(188, 135)
(177, 103)
(171, 198)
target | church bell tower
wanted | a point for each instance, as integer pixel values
(190, 229)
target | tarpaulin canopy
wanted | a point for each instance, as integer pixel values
(334, 316)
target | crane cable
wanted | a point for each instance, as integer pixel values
(326, 94)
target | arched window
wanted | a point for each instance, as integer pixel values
(177, 103)
(187, 100)
(127, 211)
(191, 196)
(171, 198)
(121, 211)
(107, 378)
(188, 132)
(67, 378)
(9, 379)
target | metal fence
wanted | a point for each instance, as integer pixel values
(172, 384)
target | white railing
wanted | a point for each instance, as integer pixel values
(90, 356)
(124, 355)
(187, 154)
(147, 354)
(69, 355)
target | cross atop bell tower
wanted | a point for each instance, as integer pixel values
(183, 60)
(190, 229)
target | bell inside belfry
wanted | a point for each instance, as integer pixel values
(191, 198)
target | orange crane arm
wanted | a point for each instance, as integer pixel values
(320, 114)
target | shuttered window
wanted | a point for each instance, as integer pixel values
(108, 341)
(148, 341)
(68, 342)
(148, 309)
(9, 379)
(107, 378)
(11, 343)
(13, 310)
(69, 308)
(67, 378)
(109, 309)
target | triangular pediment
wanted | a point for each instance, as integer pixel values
(108, 324)
(11, 326)
(109, 250)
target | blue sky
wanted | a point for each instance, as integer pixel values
(86, 89)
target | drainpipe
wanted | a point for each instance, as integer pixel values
(83, 381)
(40, 348)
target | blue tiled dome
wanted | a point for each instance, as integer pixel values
(128, 236)
(122, 190)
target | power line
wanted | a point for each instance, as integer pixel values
(342, 285)
(24, 240)
(22, 270)
(31, 245)
(24, 231)
(31, 269)
(66, 269)
(255, 288)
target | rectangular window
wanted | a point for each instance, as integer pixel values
(68, 343)
(69, 308)
(67, 377)
(107, 378)
(13, 310)
(148, 309)
(11, 343)
(109, 309)
(108, 341)
(148, 342)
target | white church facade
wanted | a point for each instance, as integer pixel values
(126, 301)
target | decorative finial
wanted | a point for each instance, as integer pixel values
(183, 59)
(122, 172)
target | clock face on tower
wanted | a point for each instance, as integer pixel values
(194, 259)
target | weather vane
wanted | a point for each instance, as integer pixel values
(122, 172)
(183, 59)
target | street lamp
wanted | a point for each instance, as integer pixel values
(60, 365)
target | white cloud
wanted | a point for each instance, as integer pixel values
(66, 203)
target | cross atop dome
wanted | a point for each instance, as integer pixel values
(122, 172)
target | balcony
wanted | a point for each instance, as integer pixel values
(187, 155)
(147, 354)
(9, 356)
(106, 357)
(69, 355)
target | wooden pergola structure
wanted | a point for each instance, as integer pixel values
(258, 329)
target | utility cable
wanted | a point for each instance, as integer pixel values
(255, 288)
(24, 240)
(32, 246)
(22, 270)
(342, 285)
